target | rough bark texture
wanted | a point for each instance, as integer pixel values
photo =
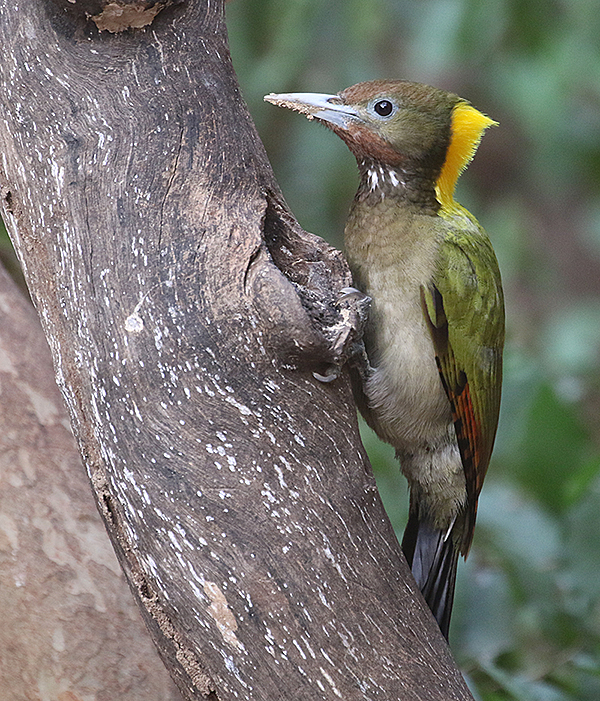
(186, 312)
(70, 628)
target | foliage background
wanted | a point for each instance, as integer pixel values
(526, 623)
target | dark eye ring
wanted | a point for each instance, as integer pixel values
(383, 108)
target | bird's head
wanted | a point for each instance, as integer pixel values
(415, 129)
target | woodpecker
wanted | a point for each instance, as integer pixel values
(435, 333)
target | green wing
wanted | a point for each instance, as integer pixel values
(464, 307)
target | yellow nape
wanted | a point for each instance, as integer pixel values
(468, 125)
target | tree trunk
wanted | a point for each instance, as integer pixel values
(69, 624)
(186, 312)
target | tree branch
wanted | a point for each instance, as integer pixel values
(68, 621)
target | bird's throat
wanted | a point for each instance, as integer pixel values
(380, 181)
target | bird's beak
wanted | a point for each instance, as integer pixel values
(326, 108)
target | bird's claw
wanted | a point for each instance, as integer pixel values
(346, 343)
(350, 293)
(333, 372)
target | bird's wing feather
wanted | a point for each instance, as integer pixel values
(464, 307)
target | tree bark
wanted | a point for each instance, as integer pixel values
(186, 312)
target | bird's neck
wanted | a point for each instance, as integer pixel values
(412, 185)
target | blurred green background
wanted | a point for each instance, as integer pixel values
(526, 622)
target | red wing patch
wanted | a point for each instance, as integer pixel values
(468, 435)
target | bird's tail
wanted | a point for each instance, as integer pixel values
(432, 555)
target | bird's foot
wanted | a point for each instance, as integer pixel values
(346, 335)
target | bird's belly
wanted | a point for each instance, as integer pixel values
(405, 392)
(410, 410)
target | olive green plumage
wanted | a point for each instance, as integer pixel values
(435, 333)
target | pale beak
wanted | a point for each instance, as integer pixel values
(327, 108)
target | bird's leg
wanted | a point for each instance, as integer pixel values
(357, 357)
(347, 344)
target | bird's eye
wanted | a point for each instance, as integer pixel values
(383, 108)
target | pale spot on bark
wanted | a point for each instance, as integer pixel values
(221, 613)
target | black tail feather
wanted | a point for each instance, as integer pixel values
(432, 556)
